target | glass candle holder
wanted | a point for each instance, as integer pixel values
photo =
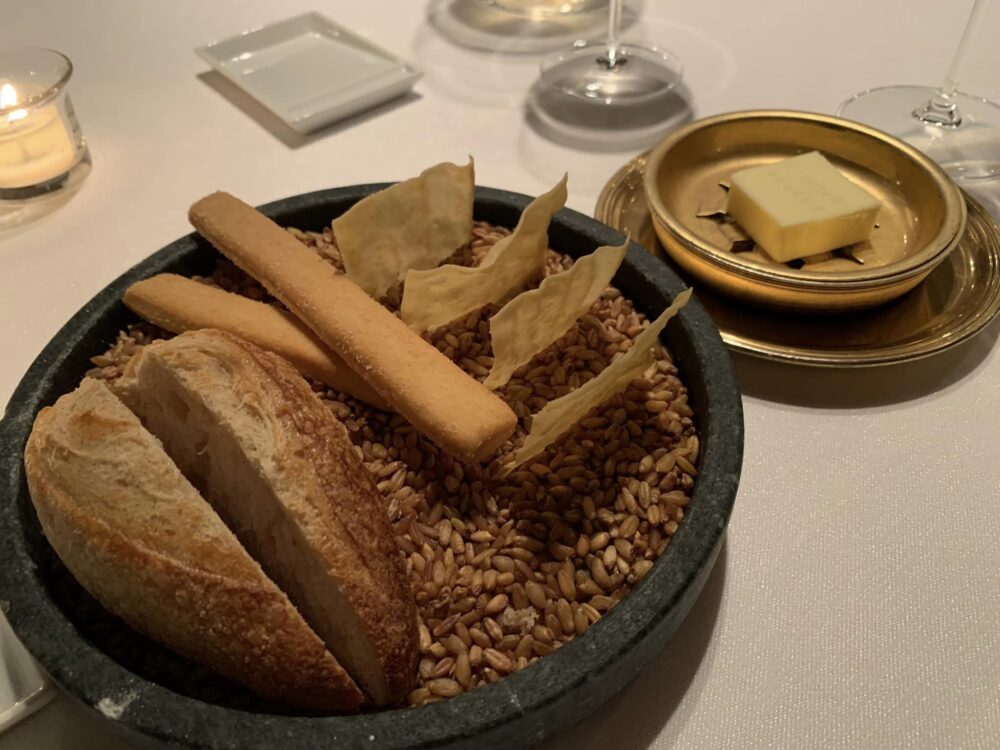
(42, 149)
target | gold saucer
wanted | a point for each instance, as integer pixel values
(955, 302)
(920, 219)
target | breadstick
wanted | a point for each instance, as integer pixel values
(454, 410)
(180, 304)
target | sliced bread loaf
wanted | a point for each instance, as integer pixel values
(280, 469)
(138, 536)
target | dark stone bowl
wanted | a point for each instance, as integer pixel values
(166, 700)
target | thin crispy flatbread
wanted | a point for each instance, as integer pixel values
(559, 415)
(436, 297)
(535, 319)
(416, 223)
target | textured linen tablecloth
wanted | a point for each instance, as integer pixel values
(856, 601)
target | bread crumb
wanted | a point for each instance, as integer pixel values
(114, 709)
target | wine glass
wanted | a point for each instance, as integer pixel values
(960, 131)
(612, 72)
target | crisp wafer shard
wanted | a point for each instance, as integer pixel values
(416, 223)
(436, 297)
(535, 319)
(558, 416)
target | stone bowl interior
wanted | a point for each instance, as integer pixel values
(167, 701)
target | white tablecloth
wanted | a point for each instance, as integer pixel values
(857, 600)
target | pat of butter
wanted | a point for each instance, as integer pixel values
(800, 206)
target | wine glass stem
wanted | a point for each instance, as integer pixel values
(941, 109)
(615, 58)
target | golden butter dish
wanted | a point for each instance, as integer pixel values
(920, 221)
(956, 301)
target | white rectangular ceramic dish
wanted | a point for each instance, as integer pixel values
(309, 71)
(22, 687)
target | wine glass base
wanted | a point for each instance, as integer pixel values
(623, 74)
(594, 127)
(477, 25)
(968, 151)
(548, 8)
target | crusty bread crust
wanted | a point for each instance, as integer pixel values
(251, 403)
(179, 304)
(452, 408)
(142, 541)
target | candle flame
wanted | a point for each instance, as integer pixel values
(8, 98)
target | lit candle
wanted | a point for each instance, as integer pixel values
(36, 143)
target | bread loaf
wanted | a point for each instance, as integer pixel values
(141, 540)
(282, 472)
